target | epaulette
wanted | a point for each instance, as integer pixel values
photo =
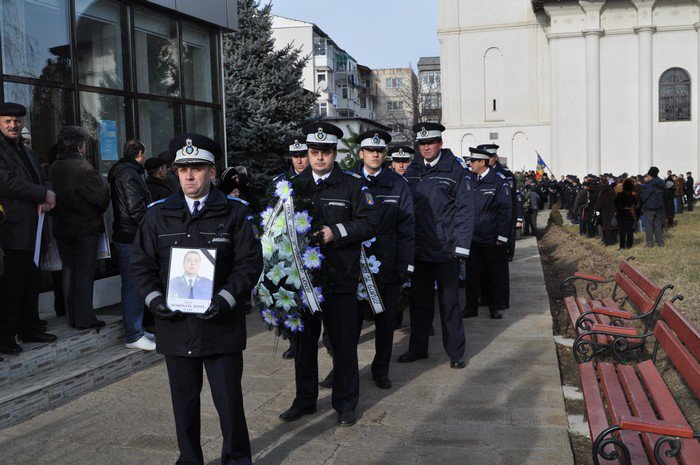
(230, 197)
(156, 203)
(503, 176)
(461, 161)
(353, 174)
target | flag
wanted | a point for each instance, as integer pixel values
(541, 165)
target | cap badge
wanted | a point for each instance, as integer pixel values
(423, 132)
(189, 149)
(297, 145)
(400, 151)
(375, 139)
(320, 135)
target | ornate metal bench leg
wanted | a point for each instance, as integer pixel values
(618, 451)
(674, 449)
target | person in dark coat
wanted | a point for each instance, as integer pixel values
(689, 186)
(443, 200)
(25, 190)
(670, 201)
(81, 200)
(201, 217)
(626, 205)
(653, 205)
(130, 197)
(156, 182)
(605, 205)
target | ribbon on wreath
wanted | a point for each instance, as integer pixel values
(375, 300)
(306, 285)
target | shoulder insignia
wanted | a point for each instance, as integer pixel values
(230, 197)
(156, 203)
(468, 182)
(502, 176)
(461, 161)
(354, 175)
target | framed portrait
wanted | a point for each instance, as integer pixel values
(190, 279)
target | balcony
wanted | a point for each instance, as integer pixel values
(326, 61)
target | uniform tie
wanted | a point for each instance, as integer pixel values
(191, 283)
(479, 177)
(195, 210)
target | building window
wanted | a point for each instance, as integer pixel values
(104, 117)
(344, 92)
(394, 83)
(394, 105)
(674, 95)
(199, 63)
(323, 109)
(430, 81)
(156, 54)
(432, 101)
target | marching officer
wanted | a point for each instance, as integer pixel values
(201, 216)
(400, 157)
(488, 258)
(394, 244)
(443, 199)
(348, 212)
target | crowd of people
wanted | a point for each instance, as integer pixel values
(428, 210)
(613, 207)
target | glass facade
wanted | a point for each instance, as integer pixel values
(118, 68)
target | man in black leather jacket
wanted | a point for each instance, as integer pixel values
(130, 198)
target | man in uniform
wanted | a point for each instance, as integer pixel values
(443, 200)
(401, 157)
(488, 258)
(201, 217)
(24, 191)
(348, 213)
(394, 244)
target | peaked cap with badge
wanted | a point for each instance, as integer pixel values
(321, 135)
(427, 133)
(401, 153)
(374, 140)
(478, 153)
(194, 149)
(492, 149)
(297, 145)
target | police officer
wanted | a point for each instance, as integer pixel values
(348, 212)
(400, 157)
(443, 200)
(488, 258)
(393, 245)
(201, 216)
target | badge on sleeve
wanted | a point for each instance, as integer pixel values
(369, 200)
(468, 183)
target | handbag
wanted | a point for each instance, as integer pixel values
(51, 260)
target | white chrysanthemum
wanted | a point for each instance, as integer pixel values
(284, 249)
(276, 274)
(277, 227)
(284, 299)
(267, 247)
(293, 278)
(264, 295)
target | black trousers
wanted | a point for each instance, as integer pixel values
(19, 288)
(690, 201)
(488, 271)
(340, 317)
(224, 372)
(59, 300)
(384, 329)
(610, 237)
(626, 233)
(446, 274)
(78, 258)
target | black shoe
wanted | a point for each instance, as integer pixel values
(497, 314)
(43, 323)
(40, 337)
(347, 418)
(289, 353)
(409, 357)
(432, 331)
(383, 381)
(327, 383)
(96, 325)
(294, 413)
(457, 363)
(10, 349)
(469, 313)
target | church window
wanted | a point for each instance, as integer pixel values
(674, 95)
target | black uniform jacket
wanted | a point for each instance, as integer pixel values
(130, 198)
(516, 212)
(347, 208)
(158, 188)
(396, 221)
(494, 209)
(223, 224)
(443, 199)
(21, 191)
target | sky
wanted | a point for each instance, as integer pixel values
(377, 33)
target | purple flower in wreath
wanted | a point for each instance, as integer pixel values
(303, 222)
(319, 297)
(266, 216)
(284, 190)
(270, 317)
(294, 323)
(312, 258)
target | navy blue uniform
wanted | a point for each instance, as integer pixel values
(443, 200)
(347, 208)
(189, 344)
(488, 260)
(394, 248)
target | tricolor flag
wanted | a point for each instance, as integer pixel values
(541, 165)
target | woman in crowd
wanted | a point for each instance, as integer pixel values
(606, 206)
(626, 207)
(81, 199)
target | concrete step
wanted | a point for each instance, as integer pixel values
(72, 344)
(48, 388)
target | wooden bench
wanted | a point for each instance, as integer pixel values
(639, 301)
(643, 423)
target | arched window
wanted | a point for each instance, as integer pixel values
(674, 95)
(493, 85)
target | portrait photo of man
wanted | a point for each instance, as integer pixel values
(190, 279)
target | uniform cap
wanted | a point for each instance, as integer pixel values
(374, 139)
(492, 149)
(322, 135)
(428, 131)
(401, 153)
(194, 149)
(297, 145)
(12, 109)
(478, 154)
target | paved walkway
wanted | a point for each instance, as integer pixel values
(505, 408)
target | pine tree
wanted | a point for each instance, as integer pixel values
(351, 154)
(265, 99)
